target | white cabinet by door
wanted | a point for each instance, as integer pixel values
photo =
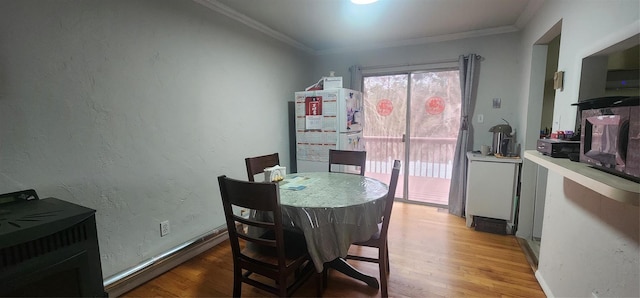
(491, 187)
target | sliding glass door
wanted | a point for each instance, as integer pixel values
(414, 117)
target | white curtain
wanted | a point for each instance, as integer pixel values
(356, 78)
(457, 192)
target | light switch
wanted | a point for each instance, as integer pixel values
(558, 79)
(480, 118)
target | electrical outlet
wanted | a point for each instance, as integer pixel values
(164, 228)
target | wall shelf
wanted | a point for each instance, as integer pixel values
(606, 184)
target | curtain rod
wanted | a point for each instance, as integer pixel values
(418, 64)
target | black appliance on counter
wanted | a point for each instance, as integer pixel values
(610, 135)
(558, 148)
(48, 248)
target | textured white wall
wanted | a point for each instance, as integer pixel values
(589, 243)
(498, 73)
(133, 108)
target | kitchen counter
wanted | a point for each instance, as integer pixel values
(606, 184)
(492, 158)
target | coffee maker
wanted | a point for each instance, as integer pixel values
(502, 139)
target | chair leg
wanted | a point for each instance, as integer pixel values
(387, 250)
(320, 284)
(237, 284)
(282, 286)
(325, 277)
(383, 267)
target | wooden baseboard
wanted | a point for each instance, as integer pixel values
(163, 265)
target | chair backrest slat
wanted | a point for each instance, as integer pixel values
(256, 240)
(256, 165)
(349, 158)
(393, 183)
(255, 223)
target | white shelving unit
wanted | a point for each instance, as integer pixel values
(492, 183)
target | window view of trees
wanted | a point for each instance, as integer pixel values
(435, 104)
(385, 103)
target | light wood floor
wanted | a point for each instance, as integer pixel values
(433, 254)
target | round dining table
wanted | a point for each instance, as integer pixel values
(333, 210)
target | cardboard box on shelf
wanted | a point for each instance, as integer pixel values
(331, 82)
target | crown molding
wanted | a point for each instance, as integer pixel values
(235, 15)
(421, 41)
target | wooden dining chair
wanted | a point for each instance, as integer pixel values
(349, 158)
(270, 254)
(256, 165)
(379, 239)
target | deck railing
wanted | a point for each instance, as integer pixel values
(430, 157)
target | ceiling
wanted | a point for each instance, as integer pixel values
(330, 26)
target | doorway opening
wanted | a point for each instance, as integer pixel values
(548, 49)
(413, 116)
